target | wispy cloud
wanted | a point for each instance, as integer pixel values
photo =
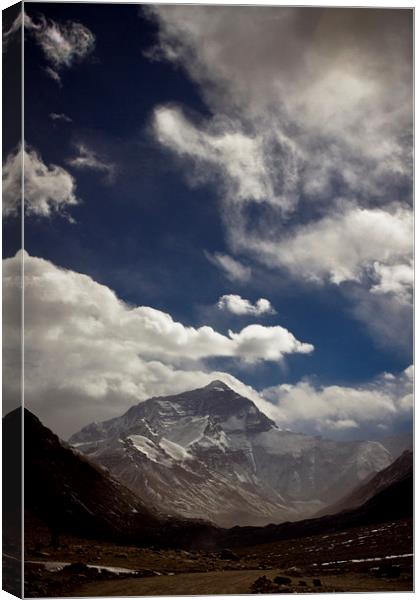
(231, 267)
(63, 44)
(345, 91)
(53, 75)
(86, 158)
(60, 117)
(310, 138)
(237, 158)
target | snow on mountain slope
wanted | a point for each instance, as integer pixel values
(211, 453)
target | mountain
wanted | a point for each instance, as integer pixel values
(67, 492)
(212, 454)
(70, 494)
(398, 471)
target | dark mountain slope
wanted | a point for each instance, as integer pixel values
(69, 493)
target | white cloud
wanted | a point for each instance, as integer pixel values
(256, 342)
(388, 317)
(88, 159)
(369, 248)
(237, 157)
(12, 184)
(328, 86)
(241, 306)
(310, 138)
(62, 43)
(396, 279)
(53, 75)
(48, 189)
(373, 407)
(342, 247)
(232, 268)
(85, 346)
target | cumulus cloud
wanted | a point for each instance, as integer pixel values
(395, 279)
(86, 158)
(309, 139)
(49, 189)
(241, 306)
(85, 346)
(371, 409)
(63, 44)
(232, 268)
(256, 342)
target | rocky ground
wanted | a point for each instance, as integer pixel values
(371, 558)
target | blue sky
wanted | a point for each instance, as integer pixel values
(184, 145)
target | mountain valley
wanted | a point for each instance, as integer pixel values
(87, 533)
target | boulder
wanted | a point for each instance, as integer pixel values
(227, 554)
(281, 580)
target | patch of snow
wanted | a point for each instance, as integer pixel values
(54, 566)
(89, 443)
(145, 446)
(360, 560)
(174, 450)
(187, 430)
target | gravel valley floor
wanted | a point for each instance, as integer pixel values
(371, 558)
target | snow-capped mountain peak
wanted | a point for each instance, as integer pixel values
(218, 386)
(211, 453)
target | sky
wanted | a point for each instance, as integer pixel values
(213, 193)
